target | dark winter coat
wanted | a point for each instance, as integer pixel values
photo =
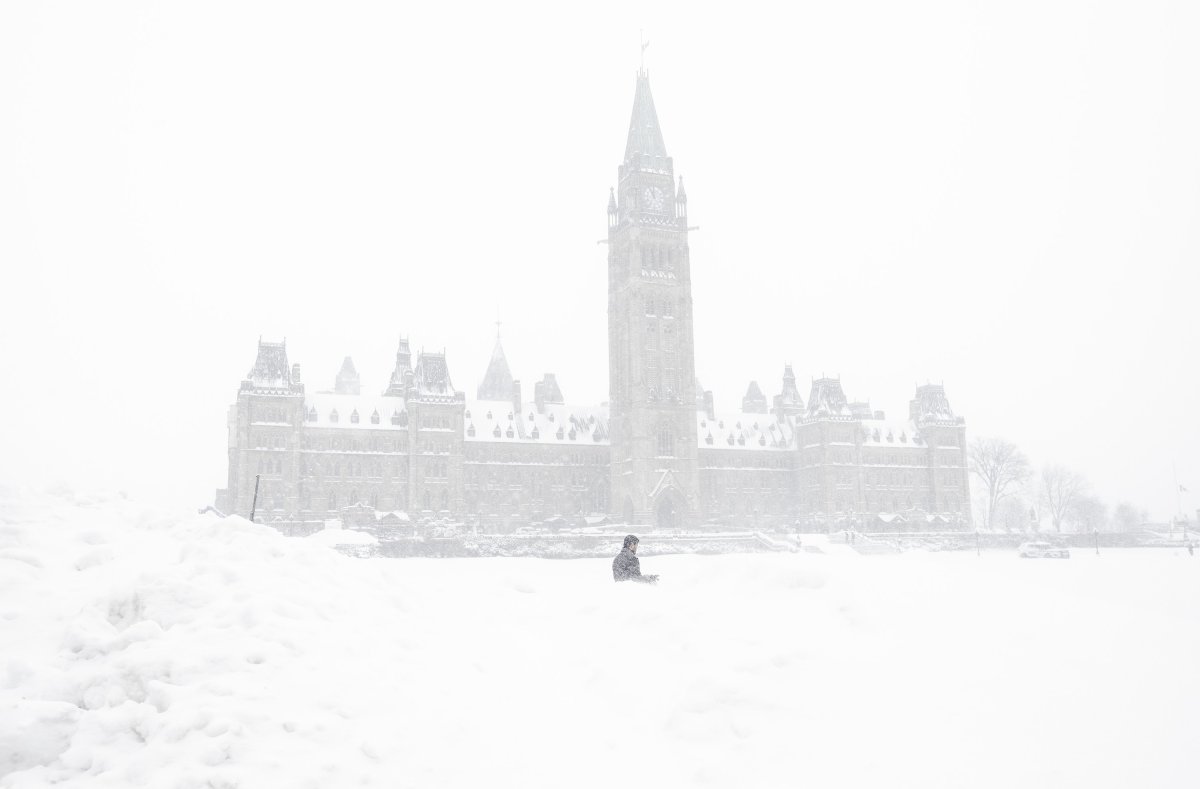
(626, 567)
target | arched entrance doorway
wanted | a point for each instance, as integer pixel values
(666, 512)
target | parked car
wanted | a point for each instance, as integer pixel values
(1042, 550)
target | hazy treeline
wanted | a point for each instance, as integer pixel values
(1010, 494)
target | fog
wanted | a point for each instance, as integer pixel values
(1001, 198)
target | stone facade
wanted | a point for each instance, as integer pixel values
(658, 454)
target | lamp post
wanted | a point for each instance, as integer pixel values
(977, 553)
(1096, 535)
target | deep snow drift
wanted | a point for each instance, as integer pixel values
(141, 648)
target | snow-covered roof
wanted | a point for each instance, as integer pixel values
(494, 420)
(270, 370)
(323, 405)
(826, 398)
(743, 430)
(890, 433)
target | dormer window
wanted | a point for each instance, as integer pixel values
(467, 414)
(708, 439)
(333, 416)
(559, 434)
(471, 430)
(375, 417)
(535, 434)
(312, 415)
(571, 435)
(530, 416)
(354, 417)
(496, 432)
(403, 419)
(489, 414)
(509, 433)
(395, 417)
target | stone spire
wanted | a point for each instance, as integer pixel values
(347, 379)
(497, 381)
(402, 374)
(645, 135)
(789, 402)
(754, 401)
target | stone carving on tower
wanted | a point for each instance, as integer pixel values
(651, 359)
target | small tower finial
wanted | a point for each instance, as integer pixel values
(642, 63)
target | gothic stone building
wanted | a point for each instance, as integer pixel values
(656, 454)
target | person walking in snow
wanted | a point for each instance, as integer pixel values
(626, 566)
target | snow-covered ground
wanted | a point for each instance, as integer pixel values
(143, 648)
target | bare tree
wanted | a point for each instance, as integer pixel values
(1012, 512)
(1088, 513)
(1001, 467)
(1061, 490)
(1128, 517)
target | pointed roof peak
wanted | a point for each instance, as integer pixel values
(645, 134)
(497, 381)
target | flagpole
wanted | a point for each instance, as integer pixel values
(1178, 498)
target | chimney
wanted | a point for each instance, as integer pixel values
(516, 399)
(295, 373)
(539, 396)
(708, 405)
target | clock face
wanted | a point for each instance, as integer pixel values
(653, 197)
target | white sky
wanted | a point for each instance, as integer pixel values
(1004, 197)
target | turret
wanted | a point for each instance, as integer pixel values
(347, 379)
(497, 382)
(402, 375)
(788, 402)
(754, 401)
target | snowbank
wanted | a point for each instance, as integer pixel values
(169, 650)
(334, 537)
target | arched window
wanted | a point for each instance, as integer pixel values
(666, 443)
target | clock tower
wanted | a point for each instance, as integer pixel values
(651, 364)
